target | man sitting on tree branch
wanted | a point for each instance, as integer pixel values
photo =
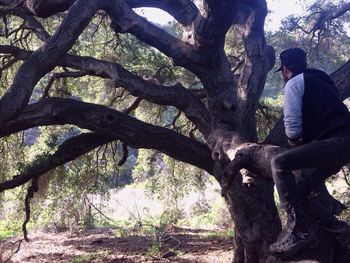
(317, 125)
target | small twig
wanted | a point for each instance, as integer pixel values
(125, 155)
(192, 131)
(15, 31)
(55, 76)
(118, 96)
(8, 64)
(98, 210)
(30, 194)
(173, 124)
(4, 19)
(134, 105)
(103, 16)
(170, 251)
(36, 27)
(345, 176)
(239, 64)
(15, 252)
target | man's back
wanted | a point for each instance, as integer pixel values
(323, 113)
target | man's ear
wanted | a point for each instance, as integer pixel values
(284, 70)
(287, 74)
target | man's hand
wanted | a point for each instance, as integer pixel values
(295, 142)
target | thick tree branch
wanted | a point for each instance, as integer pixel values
(341, 78)
(37, 27)
(68, 151)
(254, 157)
(126, 20)
(44, 59)
(341, 11)
(133, 106)
(259, 59)
(176, 96)
(33, 23)
(103, 120)
(184, 11)
(328, 15)
(218, 18)
(320, 19)
(46, 8)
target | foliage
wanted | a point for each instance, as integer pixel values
(84, 258)
(217, 217)
(8, 229)
(268, 113)
(168, 181)
(327, 47)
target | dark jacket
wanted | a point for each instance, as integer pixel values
(323, 113)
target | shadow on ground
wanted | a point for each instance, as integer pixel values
(101, 245)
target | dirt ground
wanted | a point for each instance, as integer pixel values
(102, 245)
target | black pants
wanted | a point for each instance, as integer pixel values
(316, 161)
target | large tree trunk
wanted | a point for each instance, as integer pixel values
(255, 217)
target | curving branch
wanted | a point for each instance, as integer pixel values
(254, 157)
(46, 8)
(341, 78)
(217, 19)
(66, 152)
(184, 11)
(259, 60)
(55, 76)
(45, 58)
(329, 15)
(103, 120)
(320, 19)
(33, 23)
(125, 20)
(36, 27)
(177, 95)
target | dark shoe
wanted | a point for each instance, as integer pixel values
(291, 243)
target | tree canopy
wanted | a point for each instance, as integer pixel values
(93, 72)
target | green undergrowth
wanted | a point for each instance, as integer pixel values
(84, 258)
(9, 229)
(229, 233)
(216, 217)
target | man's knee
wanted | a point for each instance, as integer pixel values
(277, 162)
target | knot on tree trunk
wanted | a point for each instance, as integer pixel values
(241, 156)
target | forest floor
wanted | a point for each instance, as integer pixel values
(102, 245)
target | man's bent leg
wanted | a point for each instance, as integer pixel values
(300, 236)
(328, 153)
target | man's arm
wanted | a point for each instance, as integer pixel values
(292, 109)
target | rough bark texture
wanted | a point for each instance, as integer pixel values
(226, 119)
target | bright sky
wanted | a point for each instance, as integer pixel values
(278, 8)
